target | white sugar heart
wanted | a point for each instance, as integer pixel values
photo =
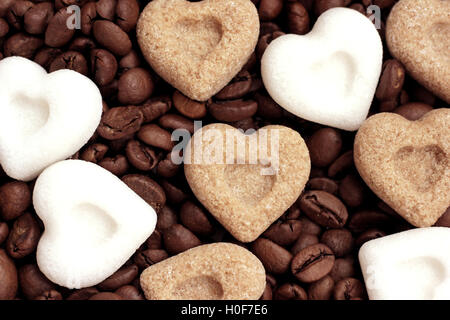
(330, 75)
(410, 265)
(44, 118)
(93, 223)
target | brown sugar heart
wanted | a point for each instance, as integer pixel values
(418, 34)
(198, 47)
(246, 181)
(407, 163)
(216, 271)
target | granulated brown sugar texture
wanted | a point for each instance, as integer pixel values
(198, 47)
(418, 34)
(240, 197)
(218, 271)
(407, 163)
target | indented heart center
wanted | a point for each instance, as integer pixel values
(197, 38)
(428, 273)
(199, 288)
(97, 226)
(247, 182)
(29, 114)
(423, 167)
(339, 82)
(440, 36)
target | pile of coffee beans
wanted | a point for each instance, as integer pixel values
(309, 253)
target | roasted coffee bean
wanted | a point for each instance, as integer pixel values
(321, 289)
(121, 277)
(4, 231)
(94, 153)
(320, 6)
(275, 258)
(309, 226)
(268, 27)
(141, 156)
(16, 13)
(117, 165)
(146, 258)
(106, 8)
(244, 124)
(324, 146)
(155, 136)
(147, 189)
(285, 232)
(358, 7)
(72, 60)
(238, 87)
(195, 219)
(105, 296)
(303, 241)
(49, 295)
(324, 208)
(420, 94)
(135, 86)
(269, 9)
(167, 168)
(45, 56)
(166, 218)
(178, 239)
(22, 45)
(24, 236)
(391, 80)
(187, 107)
(298, 18)
(155, 107)
(127, 12)
(349, 289)
(413, 111)
(264, 42)
(83, 294)
(32, 282)
(352, 190)
(15, 198)
(8, 277)
(120, 122)
(341, 165)
(82, 44)
(154, 241)
(4, 27)
(233, 110)
(104, 66)
(368, 235)
(388, 105)
(112, 37)
(343, 268)
(88, 14)
(174, 194)
(57, 33)
(37, 18)
(312, 263)
(290, 291)
(368, 219)
(340, 241)
(4, 6)
(175, 121)
(267, 107)
(443, 221)
(323, 184)
(129, 61)
(129, 292)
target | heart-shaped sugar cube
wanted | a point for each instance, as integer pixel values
(93, 223)
(330, 75)
(44, 118)
(413, 264)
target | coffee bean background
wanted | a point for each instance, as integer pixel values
(309, 253)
